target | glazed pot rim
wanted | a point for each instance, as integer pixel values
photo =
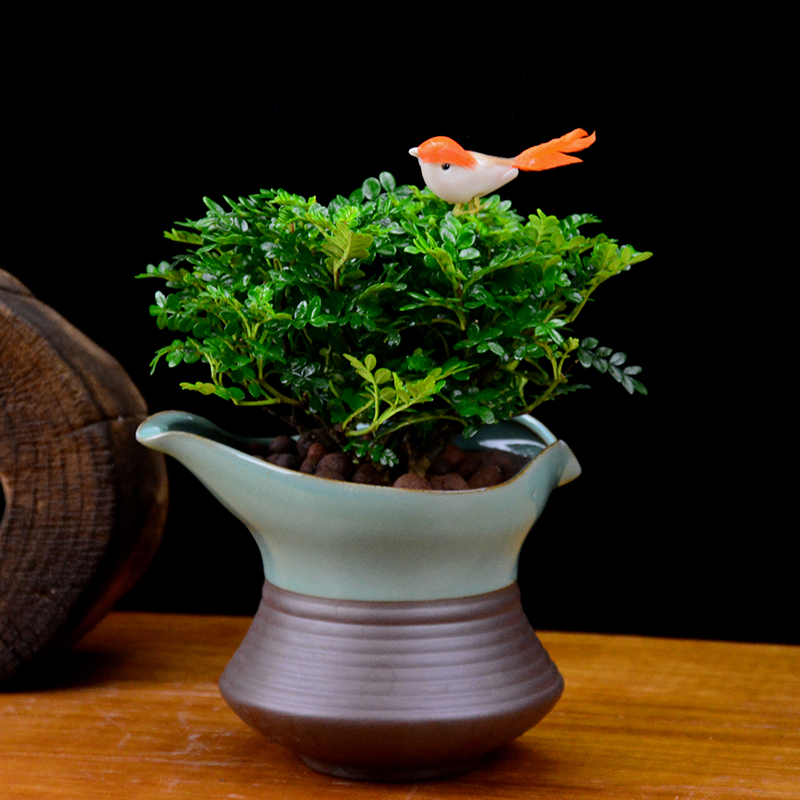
(227, 440)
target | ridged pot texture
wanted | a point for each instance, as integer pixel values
(391, 691)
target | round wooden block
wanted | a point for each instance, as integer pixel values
(83, 504)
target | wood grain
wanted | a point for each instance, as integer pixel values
(136, 713)
(84, 503)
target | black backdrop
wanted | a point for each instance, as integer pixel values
(678, 525)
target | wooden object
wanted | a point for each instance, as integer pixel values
(136, 713)
(84, 503)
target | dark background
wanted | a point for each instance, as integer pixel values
(679, 525)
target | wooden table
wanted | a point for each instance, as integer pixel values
(135, 713)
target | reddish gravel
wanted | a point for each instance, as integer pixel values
(455, 469)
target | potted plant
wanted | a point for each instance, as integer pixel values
(396, 334)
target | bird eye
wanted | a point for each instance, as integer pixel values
(445, 166)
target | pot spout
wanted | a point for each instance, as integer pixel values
(212, 455)
(528, 437)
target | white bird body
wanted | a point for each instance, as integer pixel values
(457, 184)
(459, 176)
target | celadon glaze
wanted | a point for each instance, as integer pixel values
(347, 541)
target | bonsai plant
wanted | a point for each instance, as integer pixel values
(383, 320)
(390, 643)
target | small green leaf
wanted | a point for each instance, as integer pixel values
(203, 388)
(387, 181)
(215, 208)
(466, 238)
(371, 188)
(387, 394)
(617, 359)
(487, 415)
(174, 358)
(389, 458)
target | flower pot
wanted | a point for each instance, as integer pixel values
(390, 643)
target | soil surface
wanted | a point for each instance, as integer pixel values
(455, 469)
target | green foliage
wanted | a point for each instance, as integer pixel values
(384, 314)
(603, 360)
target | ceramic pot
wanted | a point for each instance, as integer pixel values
(390, 643)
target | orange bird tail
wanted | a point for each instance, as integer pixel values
(554, 153)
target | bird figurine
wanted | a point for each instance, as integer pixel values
(462, 176)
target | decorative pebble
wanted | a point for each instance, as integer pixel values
(287, 460)
(471, 461)
(340, 462)
(455, 470)
(450, 482)
(447, 461)
(411, 481)
(305, 440)
(315, 452)
(367, 474)
(283, 444)
(329, 474)
(485, 476)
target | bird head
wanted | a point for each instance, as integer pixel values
(443, 150)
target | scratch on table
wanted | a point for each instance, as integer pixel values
(109, 717)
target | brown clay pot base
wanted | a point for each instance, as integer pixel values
(391, 691)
